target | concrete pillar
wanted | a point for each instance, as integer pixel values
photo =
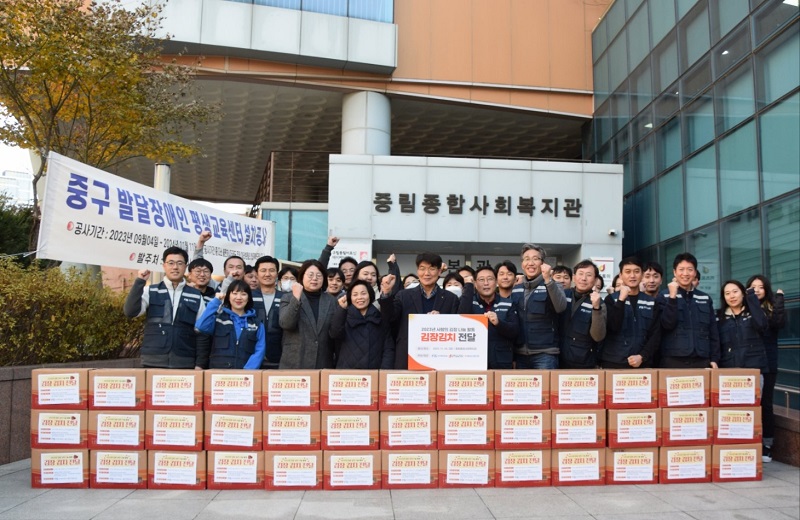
(366, 124)
(161, 179)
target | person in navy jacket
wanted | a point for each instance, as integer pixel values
(742, 326)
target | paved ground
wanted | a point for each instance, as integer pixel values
(777, 497)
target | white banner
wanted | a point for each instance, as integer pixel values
(93, 217)
(447, 342)
(358, 248)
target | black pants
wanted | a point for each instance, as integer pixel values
(767, 414)
(684, 362)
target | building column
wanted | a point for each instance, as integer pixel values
(366, 124)
(161, 180)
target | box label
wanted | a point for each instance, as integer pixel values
(576, 428)
(633, 466)
(518, 427)
(631, 388)
(59, 389)
(235, 467)
(294, 470)
(117, 467)
(738, 463)
(233, 430)
(118, 429)
(407, 389)
(520, 389)
(465, 389)
(463, 468)
(636, 427)
(350, 430)
(351, 470)
(521, 466)
(578, 389)
(289, 390)
(735, 424)
(59, 428)
(173, 390)
(685, 391)
(349, 390)
(232, 389)
(683, 464)
(411, 468)
(176, 430)
(409, 430)
(175, 468)
(62, 468)
(688, 425)
(119, 391)
(289, 428)
(578, 465)
(737, 390)
(465, 429)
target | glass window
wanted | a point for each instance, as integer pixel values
(670, 204)
(701, 189)
(684, 6)
(638, 38)
(704, 245)
(666, 63)
(629, 223)
(734, 98)
(632, 5)
(668, 253)
(741, 246)
(617, 62)
(615, 19)
(333, 7)
(668, 139)
(309, 230)
(732, 50)
(601, 89)
(694, 36)
(776, 66)
(627, 174)
(699, 118)
(642, 125)
(602, 125)
(783, 242)
(780, 159)
(599, 40)
(643, 161)
(725, 16)
(667, 104)
(738, 169)
(662, 18)
(282, 226)
(377, 10)
(646, 216)
(641, 87)
(771, 17)
(696, 80)
(283, 4)
(621, 143)
(619, 110)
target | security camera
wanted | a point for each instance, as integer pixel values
(612, 232)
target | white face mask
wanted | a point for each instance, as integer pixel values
(286, 285)
(412, 285)
(454, 289)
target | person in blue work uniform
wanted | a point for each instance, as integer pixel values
(267, 304)
(583, 323)
(238, 339)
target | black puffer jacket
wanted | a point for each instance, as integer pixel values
(365, 342)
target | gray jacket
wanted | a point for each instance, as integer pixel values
(306, 340)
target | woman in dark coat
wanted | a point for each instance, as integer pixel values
(364, 337)
(742, 325)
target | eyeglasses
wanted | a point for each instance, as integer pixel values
(314, 276)
(531, 259)
(201, 270)
(173, 263)
(429, 270)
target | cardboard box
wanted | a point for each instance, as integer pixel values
(579, 429)
(632, 466)
(737, 426)
(118, 469)
(464, 390)
(409, 431)
(684, 387)
(232, 390)
(348, 389)
(737, 462)
(466, 469)
(52, 429)
(405, 390)
(410, 469)
(233, 431)
(116, 430)
(352, 470)
(293, 470)
(522, 430)
(735, 387)
(521, 389)
(686, 426)
(179, 431)
(577, 389)
(632, 388)
(290, 390)
(350, 430)
(174, 390)
(523, 468)
(59, 468)
(292, 431)
(235, 469)
(117, 389)
(462, 430)
(684, 464)
(176, 469)
(60, 389)
(634, 428)
(579, 467)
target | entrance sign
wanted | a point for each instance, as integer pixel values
(447, 342)
(358, 248)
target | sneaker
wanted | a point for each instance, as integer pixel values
(766, 454)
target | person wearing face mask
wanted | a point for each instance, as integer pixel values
(742, 325)
(287, 277)
(410, 281)
(363, 335)
(238, 340)
(454, 283)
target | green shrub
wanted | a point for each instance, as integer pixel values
(49, 317)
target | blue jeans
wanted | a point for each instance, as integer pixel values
(537, 361)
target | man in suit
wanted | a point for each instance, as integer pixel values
(426, 298)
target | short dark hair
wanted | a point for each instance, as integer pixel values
(355, 284)
(410, 275)
(429, 258)
(239, 285)
(684, 257)
(249, 269)
(348, 260)
(655, 266)
(175, 250)
(602, 282)
(287, 269)
(267, 260)
(225, 264)
(366, 263)
(587, 263)
(201, 262)
(468, 269)
(508, 264)
(562, 269)
(335, 271)
(630, 260)
(697, 274)
(486, 267)
(305, 266)
(453, 276)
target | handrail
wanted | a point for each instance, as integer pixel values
(786, 391)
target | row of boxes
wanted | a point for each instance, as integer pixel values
(370, 430)
(387, 469)
(140, 389)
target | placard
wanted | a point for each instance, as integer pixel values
(447, 342)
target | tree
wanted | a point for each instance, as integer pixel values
(15, 224)
(87, 80)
